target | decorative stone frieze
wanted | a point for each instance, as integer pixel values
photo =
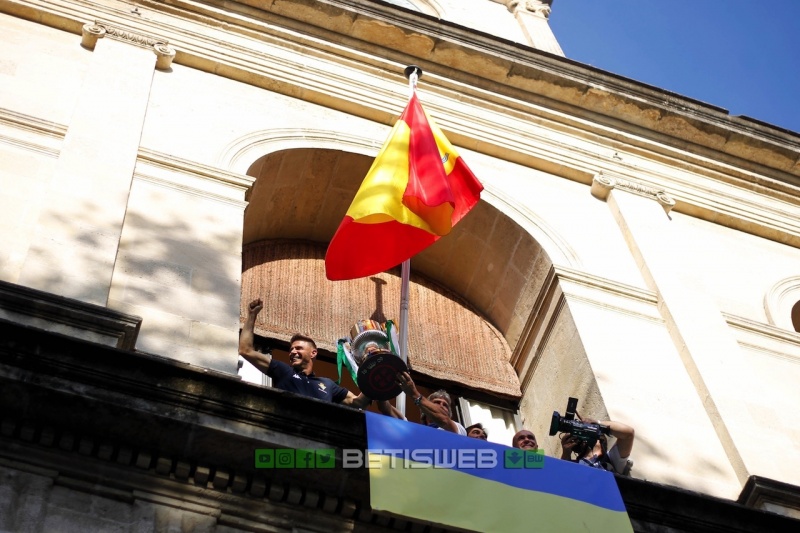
(137, 39)
(602, 186)
(91, 32)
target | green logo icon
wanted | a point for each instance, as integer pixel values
(265, 458)
(534, 458)
(514, 458)
(284, 458)
(326, 458)
(304, 459)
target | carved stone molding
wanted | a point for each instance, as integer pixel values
(773, 340)
(164, 54)
(602, 186)
(779, 301)
(536, 7)
(193, 178)
(137, 39)
(91, 32)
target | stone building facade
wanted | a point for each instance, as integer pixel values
(161, 163)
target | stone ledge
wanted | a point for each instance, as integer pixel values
(778, 497)
(155, 413)
(74, 318)
(675, 509)
(93, 417)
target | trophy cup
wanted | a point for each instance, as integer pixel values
(371, 347)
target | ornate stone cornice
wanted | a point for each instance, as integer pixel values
(731, 151)
(602, 186)
(91, 32)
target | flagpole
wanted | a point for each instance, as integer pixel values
(405, 275)
(413, 73)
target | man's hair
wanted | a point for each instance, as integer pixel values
(441, 393)
(304, 338)
(479, 426)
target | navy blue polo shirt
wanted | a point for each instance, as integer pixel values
(285, 377)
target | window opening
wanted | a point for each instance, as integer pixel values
(500, 422)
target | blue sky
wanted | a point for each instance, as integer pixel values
(741, 55)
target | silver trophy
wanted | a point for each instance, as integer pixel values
(372, 350)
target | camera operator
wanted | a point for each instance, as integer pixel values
(599, 456)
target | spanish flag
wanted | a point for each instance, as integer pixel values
(417, 189)
(445, 479)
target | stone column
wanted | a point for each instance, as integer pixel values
(708, 349)
(75, 239)
(532, 16)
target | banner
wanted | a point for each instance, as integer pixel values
(439, 477)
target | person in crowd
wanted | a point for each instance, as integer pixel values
(477, 431)
(617, 459)
(297, 376)
(435, 409)
(524, 440)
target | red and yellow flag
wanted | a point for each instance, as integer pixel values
(417, 189)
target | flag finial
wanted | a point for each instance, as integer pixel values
(411, 70)
(413, 73)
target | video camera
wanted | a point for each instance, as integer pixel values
(583, 431)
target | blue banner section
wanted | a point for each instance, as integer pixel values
(417, 443)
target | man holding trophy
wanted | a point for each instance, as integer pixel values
(369, 355)
(297, 376)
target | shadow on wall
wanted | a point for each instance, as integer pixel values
(180, 271)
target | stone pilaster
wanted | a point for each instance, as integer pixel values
(707, 347)
(75, 239)
(532, 16)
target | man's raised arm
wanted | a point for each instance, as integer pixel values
(247, 347)
(434, 412)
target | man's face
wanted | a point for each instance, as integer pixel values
(477, 433)
(525, 440)
(442, 402)
(301, 355)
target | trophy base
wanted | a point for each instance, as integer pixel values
(376, 376)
